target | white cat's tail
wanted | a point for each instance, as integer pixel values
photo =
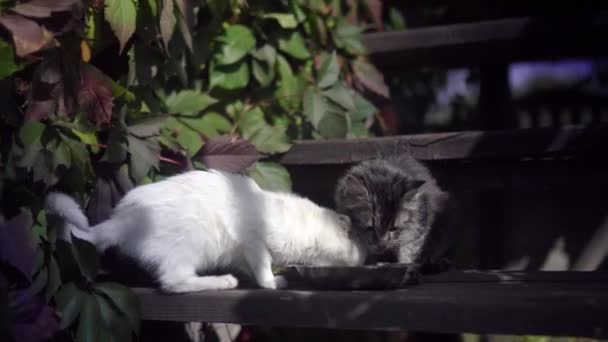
(75, 222)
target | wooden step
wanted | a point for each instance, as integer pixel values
(491, 41)
(541, 303)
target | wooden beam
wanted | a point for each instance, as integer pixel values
(491, 41)
(497, 303)
(469, 145)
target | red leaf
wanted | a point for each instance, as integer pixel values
(375, 10)
(228, 153)
(28, 36)
(16, 248)
(95, 95)
(370, 77)
(44, 8)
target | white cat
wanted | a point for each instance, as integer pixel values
(201, 221)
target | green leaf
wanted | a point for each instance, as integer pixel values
(145, 154)
(396, 20)
(330, 71)
(116, 150)
(293, 44)
(124, 300)
(290, 87)
(333, 125)
(363, 108)
(147, 127)
(270, 176)
(230, 77)
(8, 66)
(210, 125)
(263, 64)
(88, 138)
(237, 41)
(263, 74)
(62, 155)
(265, 138)
(297, 11)
(314, 106)
(86, 257)
(348, 37)
(114, 319)
(121, 15)
(188, 102)
(54, 281)
(88, 323)
(341, 96)
(286, 20)
(69, 301)
(31, 132)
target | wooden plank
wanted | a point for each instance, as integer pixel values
(491, 41)
(560, 308)
(536, 142)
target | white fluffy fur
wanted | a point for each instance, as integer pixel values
(201, 221)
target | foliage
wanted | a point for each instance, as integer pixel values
(103, 95)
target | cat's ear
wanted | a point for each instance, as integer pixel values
(350, 190)
(414, 190)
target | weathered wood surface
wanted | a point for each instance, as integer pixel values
(470, 145)
(491, 41)
(548, 304)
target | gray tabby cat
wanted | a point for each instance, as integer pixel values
(397, 209)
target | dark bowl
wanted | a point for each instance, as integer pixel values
(369, 277)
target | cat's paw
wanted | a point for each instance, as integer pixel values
(227, 281)
(273, 283)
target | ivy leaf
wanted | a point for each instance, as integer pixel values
(374, 8)
(116, 150)
(30, 135)
(348, 37)
(228, 153)
(147, 127)
(95, 94)
(7, 62)
(370, 77)
(285, 20)
(265, 138)
(86, 257)
(114, 319)
(314, 106)
(16, 249)
(121, 15)
(188, 102)
(28, 36)
(396, 20)
(210, 125)
(270, 176)
(230, 77)
(54, 281)
(88, 323)
(293, 44)
(237, 41)
(167, 21)
(330, 70)
(88, 138)
(69, 301)
(341, 96)
(333, 125)
(185, 14)
(290, 87)
(62, 155)
(363, 108)
(145, 154)
(124, 300)
(263, 74)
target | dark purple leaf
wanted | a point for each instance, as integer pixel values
(28, 36)
(95, 95)
(16, 249)
(44, 8)
(228, 153)
(370, 77)
(375, 10)
(34, 321)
